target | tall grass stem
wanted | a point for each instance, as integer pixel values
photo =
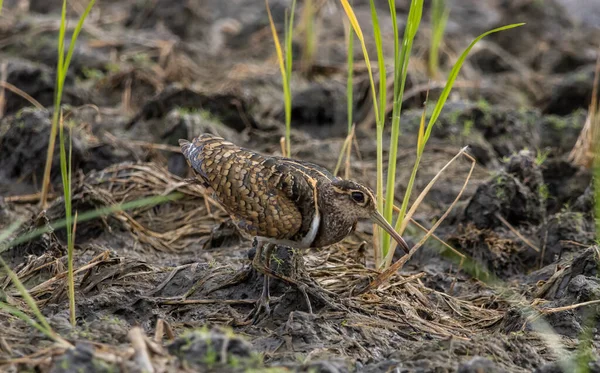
(62, 68)
(401, 223)
(401, 61)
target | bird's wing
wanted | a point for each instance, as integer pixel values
(261, 199)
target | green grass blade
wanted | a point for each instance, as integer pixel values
(310, 39)
(57, 98)
(23, 316)
(439, 19)
(65, 171)
(89, 215)
(1, 2)
(277, 43)
(453, 75)
(382, 106)
(70, 235)
(349, 92)
(392, 4)
(26, 296)
(285, 67)
(349, 82)
(381, 63)
(288, 76)
(10, 230)
(65, 163)
(400, 223)
(356, 27)
(76, 32)
(60, 74)
(338, 164)
(62, 67)
(401, 60)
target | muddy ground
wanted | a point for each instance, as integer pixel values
(169, 287)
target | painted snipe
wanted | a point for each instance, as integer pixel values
(280, 201)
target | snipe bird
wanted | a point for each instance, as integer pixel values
(280, 201)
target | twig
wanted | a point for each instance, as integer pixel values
(349, 152)
(27, 198)
(282, 144)
(517, 233)
(209, 301)
(3, 77)
(159, 332)
(136, 336)
(21, 93)
(582, 153)
(163, 327)
(428, 187)
(92, 263)
(400, 263)
(570, 307)
(434, 236)
(346, 150)
(168, 279)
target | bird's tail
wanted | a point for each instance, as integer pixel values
(203, 147)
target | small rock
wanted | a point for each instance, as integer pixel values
(24, 146)
(576, 283)
(562, 231)
(524, 167)
(564, 183)
(572, 93)
(81, 359)
(505, 195)
(585, 202)
(514, 193)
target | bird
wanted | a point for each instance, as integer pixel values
(280, 201)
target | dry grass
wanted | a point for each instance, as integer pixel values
(584, 149)
(169, 227)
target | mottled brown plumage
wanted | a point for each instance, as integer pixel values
(281, 200)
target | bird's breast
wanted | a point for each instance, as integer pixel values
(333, 229)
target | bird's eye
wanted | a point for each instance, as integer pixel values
(358, 197)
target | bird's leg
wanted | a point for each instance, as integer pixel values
(267, 263)
(302, 288)
(265, 296)
(256, 261)
(262, 265)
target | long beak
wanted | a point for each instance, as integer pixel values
(380, 220)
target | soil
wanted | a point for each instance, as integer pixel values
(169, 287)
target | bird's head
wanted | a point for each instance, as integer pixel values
(359, 202)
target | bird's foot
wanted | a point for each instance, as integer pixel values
(308, 287)
(303, 288)
(262, 308)
(261, 311)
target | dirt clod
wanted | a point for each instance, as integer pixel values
(505, 195)
(564, 232)
(81, 359)
(214, 350)
(23, 147)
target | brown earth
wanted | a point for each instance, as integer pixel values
(174, 280)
